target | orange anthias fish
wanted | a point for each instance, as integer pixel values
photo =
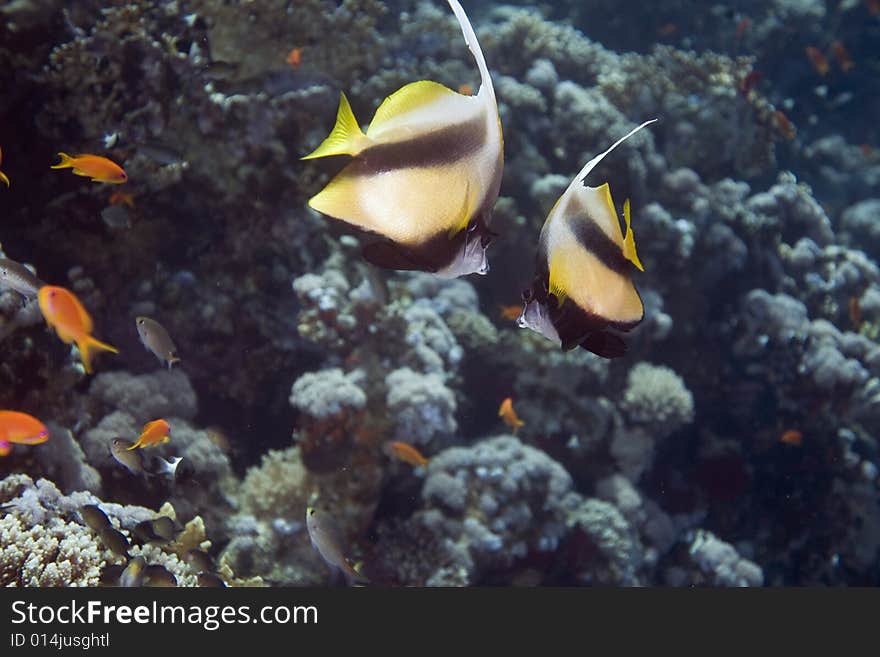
(3, 175)
(154, 433)
(20, 428)
(98, 168)
(408, 453)
(784, 125)
(873, 7)
(841, 55)
(64, 313)
(792, 437)
(506, 413)
(121, 198)
(294, 57)
(465, 89)
(818, 60)
(510, 312)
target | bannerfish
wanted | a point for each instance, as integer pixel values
(21, 429)
(64, 313)
(153, 433)
(3, 176)
(425, 176)
(584, 263)
(327, 540)
(96, 167)
(135, 462)
(16, 276)
(155, 338)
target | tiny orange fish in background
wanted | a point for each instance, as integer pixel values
(867, 150)
(667, 29)
(407, 453)
(749, 81)
(465, 89)
(841, 56)
(153, 433)
(855, 312)
(818, 60)
(792, 437)
(506, 413)
(742, 26)
(96, 167)
(873, 7)
(510, 312)
(121, 198)
(294, 57)
(20, 428)
(3, 175)
(784, 125)
(65, 313)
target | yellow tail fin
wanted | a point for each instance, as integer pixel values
(66, 161)
(346, 138)
(87, 346)
(4, 178)
(629, 242)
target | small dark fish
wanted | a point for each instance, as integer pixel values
(160, 152)
(145, 532)
(110, 575)
(16, 276)
(156, 575)
(327, 541)
(219, 70)
(133, 575)
(211, 580)
(199, 560)
(165, 527)
(115, 541)
(138, 464)
(155, 338)
(94, 517)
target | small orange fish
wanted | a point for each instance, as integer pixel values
(792, 437)
(407, 453)
(465, 89)
(506, 413)
(749, 81)
(98, 168)
(64, 313)
(153, 433)
(784, 125)
(3, 175)
(841, 56)
(294, 57)
(510, 312)
(120, 198)
(855, 312)
(873, 7)
(818, 60)
(667, 29)
(742, 26)
(20, 428)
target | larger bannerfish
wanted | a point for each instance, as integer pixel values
(425, 176)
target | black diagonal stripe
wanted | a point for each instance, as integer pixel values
(591, 237)
(444, 146)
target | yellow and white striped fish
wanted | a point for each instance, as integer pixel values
(583, 285)
(425, 176)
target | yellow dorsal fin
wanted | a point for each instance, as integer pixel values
(346, 138)
(463, 219)
(558, 275)
(66, 161)
(408, 98)
(629, 242)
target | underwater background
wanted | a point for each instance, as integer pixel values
(734, 444)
